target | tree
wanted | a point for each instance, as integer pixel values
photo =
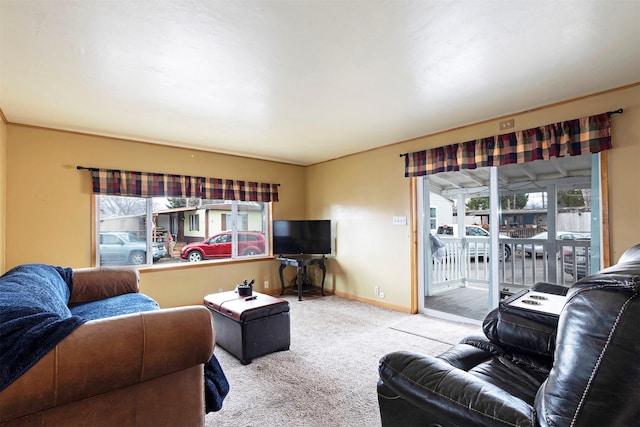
(121, 205)
(571, 198)
(514, 201)
(477, 204)
(175, 202)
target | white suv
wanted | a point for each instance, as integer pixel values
(477, 247)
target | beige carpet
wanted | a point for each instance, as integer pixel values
(328, 377)
(435, 329)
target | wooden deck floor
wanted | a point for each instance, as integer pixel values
(467, 302)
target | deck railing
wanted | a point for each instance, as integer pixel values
(466, 262)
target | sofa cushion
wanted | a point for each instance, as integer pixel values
(34, 316)
(95, 283)
(441, 394)
(114, 306)
(520, 330)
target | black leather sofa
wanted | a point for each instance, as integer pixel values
(579, 369)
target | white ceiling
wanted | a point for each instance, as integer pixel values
(303, 81)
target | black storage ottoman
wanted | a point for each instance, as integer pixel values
(250, 327)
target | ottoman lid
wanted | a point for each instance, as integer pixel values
(246, 308)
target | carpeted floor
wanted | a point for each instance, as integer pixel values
(328, 377)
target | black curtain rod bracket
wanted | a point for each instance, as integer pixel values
(618, 111)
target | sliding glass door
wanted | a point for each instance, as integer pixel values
(490, 232)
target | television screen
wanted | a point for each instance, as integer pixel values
(302, 237)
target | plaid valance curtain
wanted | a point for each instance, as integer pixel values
(143, 184)
(574, 137)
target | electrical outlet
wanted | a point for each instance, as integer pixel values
(220, 290)
(507, 124)
(266, 284)
(376, 290)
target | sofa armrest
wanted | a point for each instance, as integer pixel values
(450, 396)
(520, 330)
(550, 288)
(91, 284)
(110, 354)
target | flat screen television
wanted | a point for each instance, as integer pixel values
(302, 237)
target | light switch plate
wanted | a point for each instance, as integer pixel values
(399, 220)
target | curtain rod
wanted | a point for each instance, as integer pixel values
(609, 113)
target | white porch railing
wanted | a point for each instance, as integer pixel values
(466, 263)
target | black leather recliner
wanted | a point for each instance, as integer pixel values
(581, 369)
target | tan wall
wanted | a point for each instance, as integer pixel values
(188, 285)
(362, 193)
(49, 203)
(624, 173)
(3, 193)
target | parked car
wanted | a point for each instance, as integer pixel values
(529, 249)
(476, 248)
(120, 247)
(582, 258)
(219, 246)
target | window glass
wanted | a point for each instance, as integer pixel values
(142, 231)
(476, 231)
(252, 229)
(194, 222)
(433, 218)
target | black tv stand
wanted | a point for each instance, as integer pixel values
(301, 262)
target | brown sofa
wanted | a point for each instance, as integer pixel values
(129, 370)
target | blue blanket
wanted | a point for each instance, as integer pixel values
(216, 386)
(34, 316)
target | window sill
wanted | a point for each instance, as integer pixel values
(205, 263)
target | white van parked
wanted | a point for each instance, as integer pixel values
(477, 239)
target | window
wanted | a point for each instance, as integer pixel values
(476, 231)
(143, 231)
(194, 222)
(433, 218)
